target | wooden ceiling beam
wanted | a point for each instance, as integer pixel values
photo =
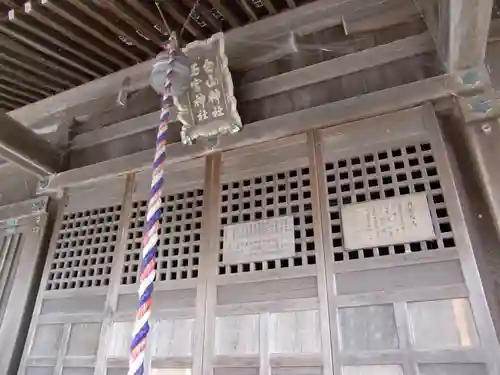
(173, 10)
(149, 15)
(268, 4)
(24, 84)
(378, 16)
(37, 71)
(95, 30)
(228, 15)
(342, 111)
(38, 58)
(79, 72)
(68, 30)
(96, 13)
(31, 79)
(202, 11)
(19, 102)
(248, 10)
(20, 93)
(25, 22)
(28, 150)
(147, 30)
(6, 106)
(309, 18)
(9, 3)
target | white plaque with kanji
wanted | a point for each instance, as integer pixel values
(259, 240)
(386, 222)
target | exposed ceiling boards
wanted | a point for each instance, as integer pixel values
(49, 46)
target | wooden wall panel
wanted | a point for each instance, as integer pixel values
(173, 338)
(237, 335)
(22, 229)
(324, 308)
(295, 332)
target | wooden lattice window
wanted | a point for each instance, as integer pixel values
(388, 173)
(286, 193)
(84, 249)
(180, 233)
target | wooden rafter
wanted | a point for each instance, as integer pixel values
(31, 79)
(10, 3)
(119, 9)
(176, 13)
(149, 15)
(6, 104)
(269, 6)
(207, 17)
(98, 14)
(228, 15)
(23, 83)
(41, 71)
(248, 10)
(18, 92)
(95, 30)
(61, 26)
(18, 48)
(79, 72)
(13, 99)
(25, 23)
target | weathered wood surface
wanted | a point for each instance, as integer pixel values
(460, 29)
(316, 316)
(350, 109)
(27, 149)
(21, 257)
(338, 67)
(305, 20)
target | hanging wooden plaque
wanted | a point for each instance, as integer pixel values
(207, 108)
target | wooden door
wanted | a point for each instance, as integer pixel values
(333, 301)
(22, 228)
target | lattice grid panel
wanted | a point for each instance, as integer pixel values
(84, 249)
(387, 173)
(180, 233)
(268, 196)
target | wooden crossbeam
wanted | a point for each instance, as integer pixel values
(351, 109)
(23, 147)
(307, 19)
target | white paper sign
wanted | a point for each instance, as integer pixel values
(259, 240)
(386, 222)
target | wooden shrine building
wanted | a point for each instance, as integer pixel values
(352, 226)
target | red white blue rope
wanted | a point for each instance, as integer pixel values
(150, 239)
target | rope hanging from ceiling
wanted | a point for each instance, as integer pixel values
(150, 239)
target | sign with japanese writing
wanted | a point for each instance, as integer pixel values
(208, 107)
(387, 221)
(259, 240)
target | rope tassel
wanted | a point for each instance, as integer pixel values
(150, 236)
